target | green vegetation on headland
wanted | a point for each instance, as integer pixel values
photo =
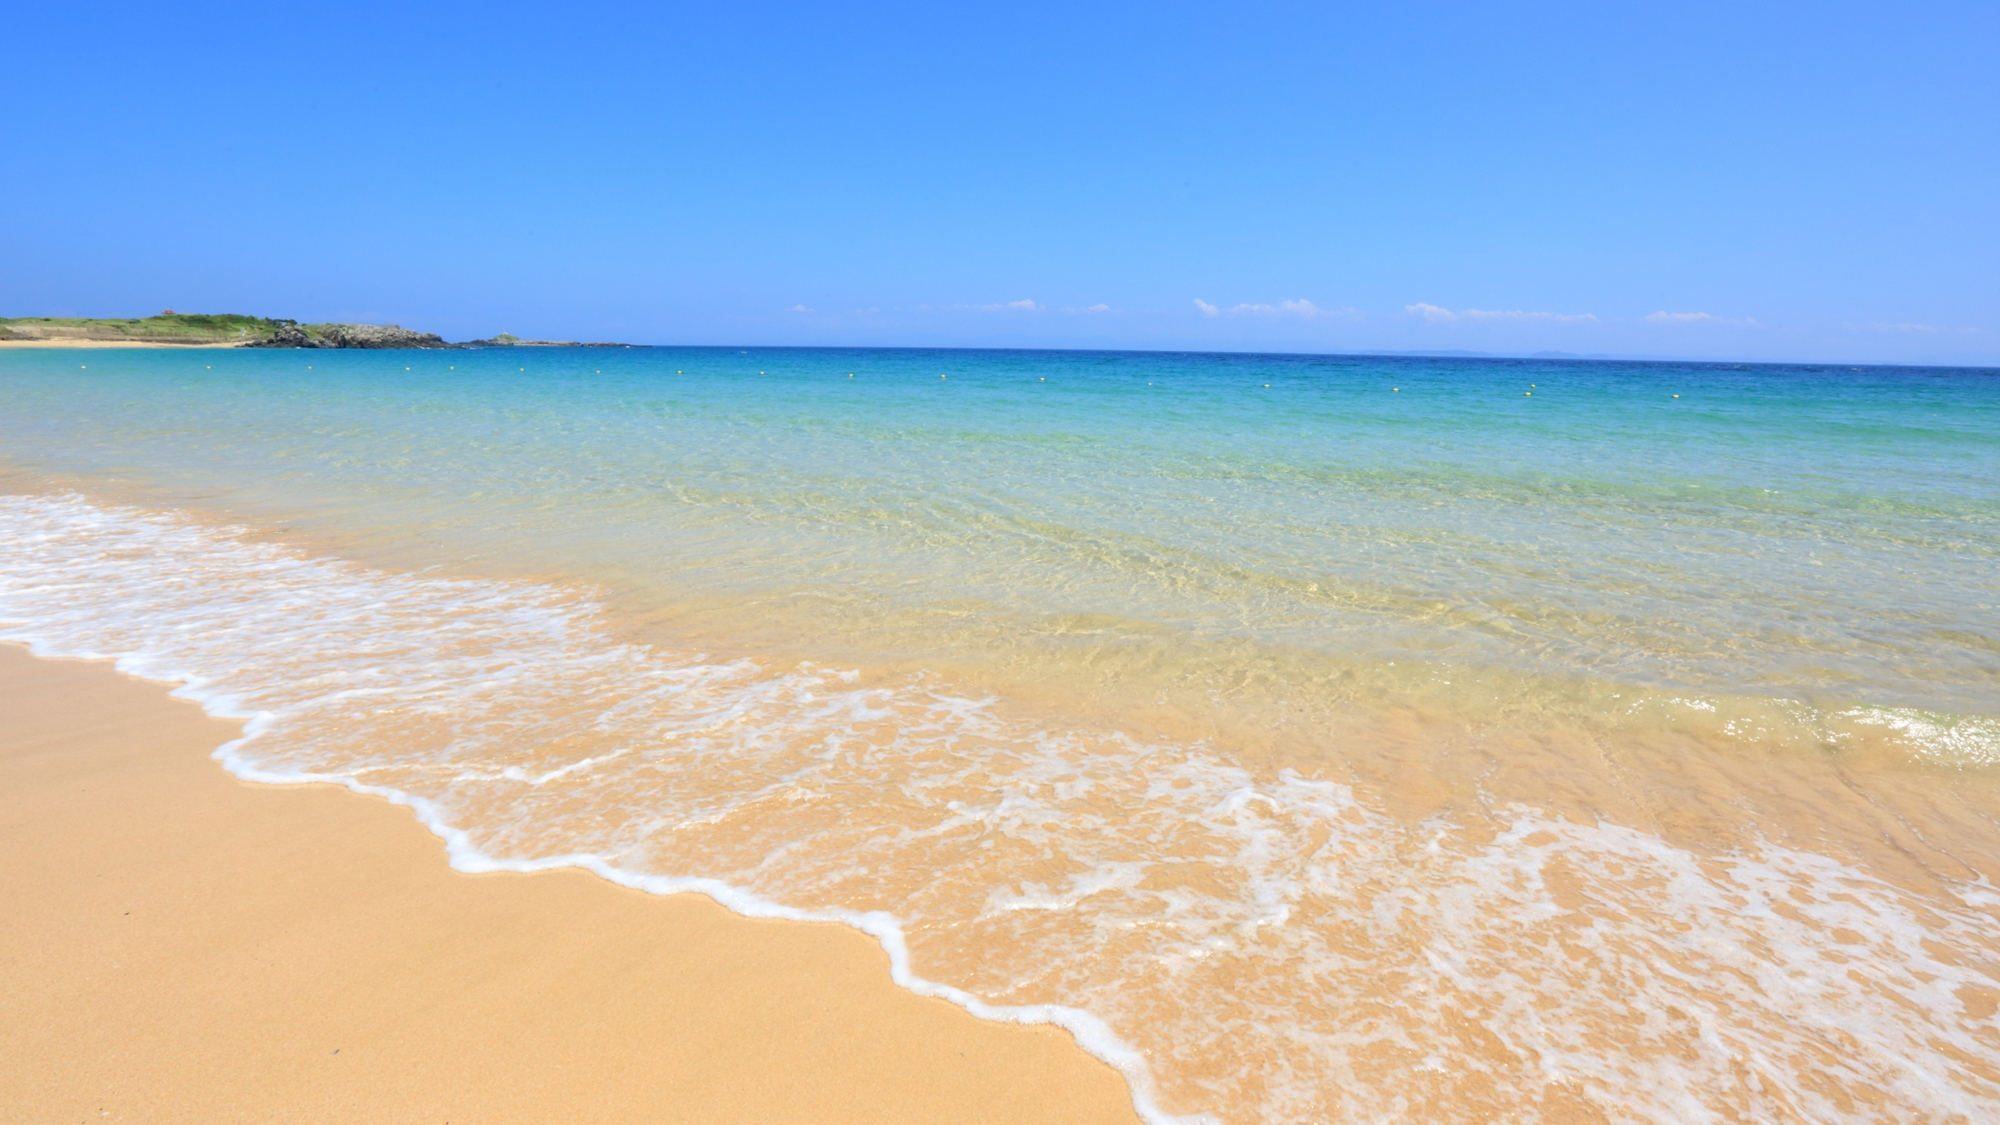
(166, 328)
(247, 331)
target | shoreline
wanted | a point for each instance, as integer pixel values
(119, 344)
(185, 946)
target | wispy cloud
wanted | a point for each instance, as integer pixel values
(1880, 326)
(799, 309)
(1098, 309)
(1517, 314)
(1437, 314)
(1023, 305)
(1299, 308)
(1665, 317)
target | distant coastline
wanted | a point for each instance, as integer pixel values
(233, 330)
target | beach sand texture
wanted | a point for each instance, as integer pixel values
(179, 946)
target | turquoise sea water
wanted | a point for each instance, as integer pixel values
(1562, 619)
(1796, 530)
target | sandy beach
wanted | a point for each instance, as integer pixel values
(111, 344)
(182, 947)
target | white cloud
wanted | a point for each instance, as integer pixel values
(1438, 315)
(1023, 305)
(1517, 314)
(1299, 308)
(1665, 317)
(1098, 308)
(799, 308)
(1880, 326)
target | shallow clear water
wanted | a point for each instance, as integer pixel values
(1344, 737)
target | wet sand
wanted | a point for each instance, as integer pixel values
(181, 947)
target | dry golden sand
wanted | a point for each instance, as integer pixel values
(177, 946)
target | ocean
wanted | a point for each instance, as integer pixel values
(1319, 739)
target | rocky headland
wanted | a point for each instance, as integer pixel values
(217, 329)
(349, 336)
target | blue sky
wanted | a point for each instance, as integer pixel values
(1786, 181)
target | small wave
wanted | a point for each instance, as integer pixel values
(1951, 740)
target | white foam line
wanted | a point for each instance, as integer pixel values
(1092, 1034)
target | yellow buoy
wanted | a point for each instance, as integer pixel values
(1397, 390)
(1677, 396)
(1527, 392)
(850, 374)
(1045, 378)
(943, 376)
(1267, 386)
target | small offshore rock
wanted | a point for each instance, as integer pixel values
(507, 340)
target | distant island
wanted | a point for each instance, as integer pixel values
(227, 329)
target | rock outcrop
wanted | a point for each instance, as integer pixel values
(349, 336)
(503, 340)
